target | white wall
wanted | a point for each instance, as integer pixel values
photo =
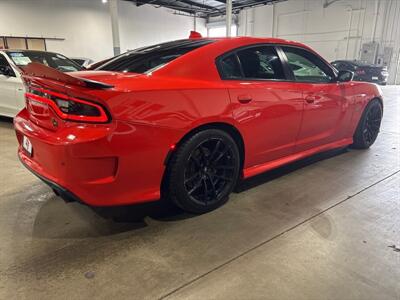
(86, 26)
(328, 30)
(146, 25)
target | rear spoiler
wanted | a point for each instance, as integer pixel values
(41, 71)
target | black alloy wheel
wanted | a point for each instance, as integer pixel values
(204, 171)
(369, 125)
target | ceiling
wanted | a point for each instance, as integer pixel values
(203, 8)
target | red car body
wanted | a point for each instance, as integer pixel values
(122, 158)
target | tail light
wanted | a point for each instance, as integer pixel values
(69, 108)
(360, 72)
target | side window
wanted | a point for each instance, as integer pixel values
(348, 67)
(337, 65)
(307, 67)
(230, 68)
(261, 63)
(3, 61)
(5, 67)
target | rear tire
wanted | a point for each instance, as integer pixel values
(368, 126)
(203, 171)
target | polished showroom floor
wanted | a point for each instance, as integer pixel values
(324, 228)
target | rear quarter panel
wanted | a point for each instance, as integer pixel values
(363, 93)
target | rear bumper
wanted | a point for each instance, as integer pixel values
(100, 165)
(65, 194)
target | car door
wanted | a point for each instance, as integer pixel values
(264, 104)
(11, 90)
(326, 113)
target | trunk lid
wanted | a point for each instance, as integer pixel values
(53, 98)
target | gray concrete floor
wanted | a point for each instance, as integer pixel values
(319, 229)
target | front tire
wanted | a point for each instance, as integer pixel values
(368, 126)
(203, 171)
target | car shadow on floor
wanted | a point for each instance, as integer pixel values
(286, 169)
(56, 219)
(164, 210)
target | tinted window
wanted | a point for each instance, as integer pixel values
(149, 58)
(79, 61)
(53, 60)
(3, 61)
(349, 67)
(306, 66)
(261, 63)
(230, 68)
(342, 66)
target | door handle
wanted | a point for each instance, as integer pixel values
(310, 99)
(244, 98)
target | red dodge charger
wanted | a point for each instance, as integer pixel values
(188, 119)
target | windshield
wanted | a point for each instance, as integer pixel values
(147, 59)
(53, 60)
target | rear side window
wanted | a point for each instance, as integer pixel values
(150, 58)
(230, 67)
(257, 63)
(307, 67)
(261, 63)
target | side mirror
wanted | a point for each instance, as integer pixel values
(345, 76)
(7, 71)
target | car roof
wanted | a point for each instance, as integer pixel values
(202, 59)
(266, 40)
(27, 50)
(352, 62)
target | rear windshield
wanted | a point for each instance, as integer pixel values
(147, 59)
(53, 60)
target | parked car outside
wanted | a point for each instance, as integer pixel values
(363, 71)
(82, 61)
(188, 119)
(12, 63)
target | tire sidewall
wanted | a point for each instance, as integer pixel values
(177, 171)
(359, 139)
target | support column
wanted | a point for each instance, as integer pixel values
(113, 6)
(228, 18)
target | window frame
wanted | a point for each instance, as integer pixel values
(9, 65)
(234, 52)
(317, 56)
(161, 47)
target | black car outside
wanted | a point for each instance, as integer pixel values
(363, 71)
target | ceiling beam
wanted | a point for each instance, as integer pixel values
(143, 2)
(193, 3)
(166, 5)
(243, 5)
(203, 10)
(187, 6)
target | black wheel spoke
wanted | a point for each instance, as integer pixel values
(205, 189)
(191, 178)
(196, 161)
(196, 186)
(215, 150)
(214, 192)
(203, 152)
(223, 177)
(372, 124)
(223, 167)
(209, 171)
(221, 155)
